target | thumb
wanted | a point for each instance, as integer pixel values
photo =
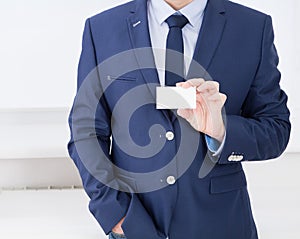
(223, 98)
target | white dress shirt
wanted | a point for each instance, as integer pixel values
(158, 12)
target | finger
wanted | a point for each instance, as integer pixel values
(184, 85)
(208, 87)
(217, 85)
(201, 101)
(223, 98)
(191, 83)
(220, 99)
(214, 97)
(179, 84)
(195, 82)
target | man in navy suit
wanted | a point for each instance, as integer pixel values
(157, 174)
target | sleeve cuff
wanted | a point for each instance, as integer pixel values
(214, 146)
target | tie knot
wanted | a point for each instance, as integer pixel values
(177, 21)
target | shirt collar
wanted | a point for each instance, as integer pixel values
(193, 11)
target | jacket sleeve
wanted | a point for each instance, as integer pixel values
(262, 130)
(107, 205)
(112, 196)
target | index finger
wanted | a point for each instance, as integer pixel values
(191, 83)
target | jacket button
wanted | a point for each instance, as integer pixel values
(171, 180)
(170, 135)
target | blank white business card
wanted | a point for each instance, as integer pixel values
(175, 98)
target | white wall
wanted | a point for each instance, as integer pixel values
(39, 48)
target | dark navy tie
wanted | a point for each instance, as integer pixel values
(175, 61)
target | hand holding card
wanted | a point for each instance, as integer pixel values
(207, 116)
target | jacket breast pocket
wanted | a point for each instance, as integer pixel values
(121, 78)
(227, 183)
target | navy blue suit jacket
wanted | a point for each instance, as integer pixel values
(235, 47)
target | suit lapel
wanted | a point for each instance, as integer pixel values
(141, 44)
(208, 40)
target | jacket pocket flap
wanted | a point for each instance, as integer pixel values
(227, 183)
